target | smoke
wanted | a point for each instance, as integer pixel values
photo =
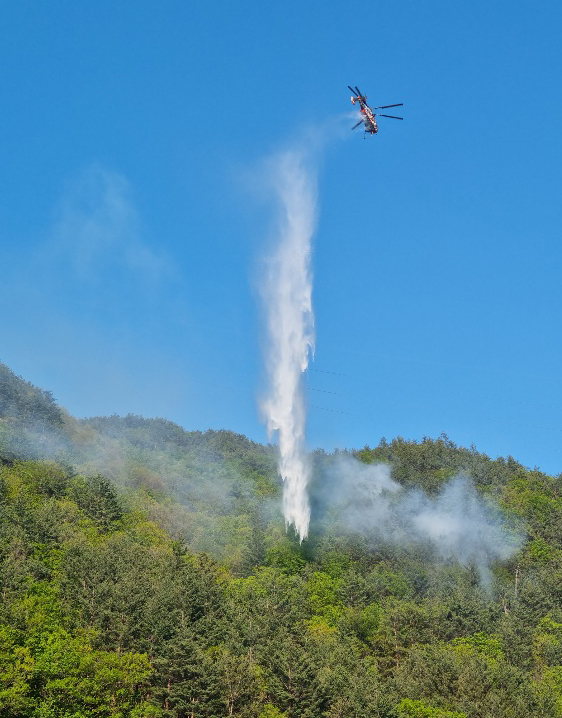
(287, 294)
(457, 523)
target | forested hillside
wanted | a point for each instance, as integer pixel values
(112, 606)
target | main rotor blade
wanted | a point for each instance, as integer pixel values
(385, 107)
(391, 116)
(352, 90)
(358, 91)
(357, 125)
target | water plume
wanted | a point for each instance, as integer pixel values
(287, 294)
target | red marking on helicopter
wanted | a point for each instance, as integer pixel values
(368, 116)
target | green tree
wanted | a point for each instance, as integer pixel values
(97, 498)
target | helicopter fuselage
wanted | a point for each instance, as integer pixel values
(369, 120)
(367, 115)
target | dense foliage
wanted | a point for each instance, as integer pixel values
(29, 417)
(104, 613)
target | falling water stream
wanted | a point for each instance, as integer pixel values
(287, 294)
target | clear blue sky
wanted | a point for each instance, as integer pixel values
(129, 239)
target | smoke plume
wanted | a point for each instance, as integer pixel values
(287, 293)
(457, 523)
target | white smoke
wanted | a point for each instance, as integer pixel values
(458, 523)
(287, 293)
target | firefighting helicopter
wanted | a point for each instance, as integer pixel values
(368, 116)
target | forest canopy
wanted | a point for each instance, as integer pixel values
(146, 571)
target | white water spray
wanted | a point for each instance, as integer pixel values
(290, 321)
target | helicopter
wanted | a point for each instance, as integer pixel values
(368, 116)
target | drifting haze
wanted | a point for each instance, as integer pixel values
(220, 491)
(457, 522)
(98, 230)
